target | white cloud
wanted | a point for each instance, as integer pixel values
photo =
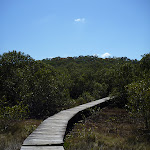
(80, 20)
(105, 55)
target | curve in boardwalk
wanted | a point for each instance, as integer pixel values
(50, 133)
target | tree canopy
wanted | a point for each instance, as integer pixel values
(43, 87)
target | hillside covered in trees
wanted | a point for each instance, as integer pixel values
(39, 88)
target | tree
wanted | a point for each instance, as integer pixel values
(145, 62)
(13, 67)
(139, 100)
(33, 83)
(123, 76)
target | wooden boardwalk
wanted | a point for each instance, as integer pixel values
(50, 133)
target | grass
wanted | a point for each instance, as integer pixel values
(13, 137)
(108, 129)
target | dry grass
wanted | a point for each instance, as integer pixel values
(13, 137)
(109, 129)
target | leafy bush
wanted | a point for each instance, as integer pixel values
(32, 83)
(139, 99)
(99, 90)
(9, 114)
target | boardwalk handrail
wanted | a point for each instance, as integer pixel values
(49, 135)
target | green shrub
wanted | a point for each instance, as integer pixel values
(14, 113)
(139, 100)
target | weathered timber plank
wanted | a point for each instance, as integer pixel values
(42, 148)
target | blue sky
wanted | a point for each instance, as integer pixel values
(51, 28)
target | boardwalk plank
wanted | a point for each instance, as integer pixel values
(42, 148)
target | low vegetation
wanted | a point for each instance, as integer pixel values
(109, 129)
(16, 132)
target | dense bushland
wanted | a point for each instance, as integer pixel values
(37, 89)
